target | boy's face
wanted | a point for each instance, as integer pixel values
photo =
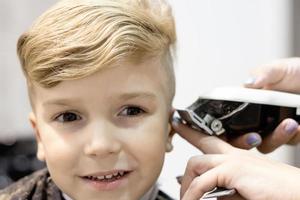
(105, 136)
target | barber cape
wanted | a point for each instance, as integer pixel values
(39, 186)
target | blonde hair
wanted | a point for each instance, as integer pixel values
(76, 38)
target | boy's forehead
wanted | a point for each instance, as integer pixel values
(125, 81)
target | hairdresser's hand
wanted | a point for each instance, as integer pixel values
(281, 75)
(253, 176)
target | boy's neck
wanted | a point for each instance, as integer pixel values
(151, 194)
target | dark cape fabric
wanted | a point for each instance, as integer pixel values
(39, 186)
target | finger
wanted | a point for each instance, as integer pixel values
(246, 141)
(200, 185)
(205, 183)
(206, 143)
(296, 139)
(265, 76)
(285, 131)
(198, 165)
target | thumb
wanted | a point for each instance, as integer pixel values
(266, 77)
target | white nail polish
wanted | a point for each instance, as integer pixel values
(250, 81)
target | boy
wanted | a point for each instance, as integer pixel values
(101, 83)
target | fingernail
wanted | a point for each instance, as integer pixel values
(291, 127)
(176, 121)
(179, 179)
(250, 81)
(253, 140)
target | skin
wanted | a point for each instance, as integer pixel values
(115, 119)
(253, 176)
(282, 75)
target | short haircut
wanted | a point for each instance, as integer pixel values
(76, 38)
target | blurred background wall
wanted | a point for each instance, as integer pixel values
(15, 17)
(218, 44)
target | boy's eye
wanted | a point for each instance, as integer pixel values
(68, 117)
(132, 111)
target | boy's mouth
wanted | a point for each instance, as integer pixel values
(109, 177)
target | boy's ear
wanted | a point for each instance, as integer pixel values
(171, 132)
(169, 145)
(40, 147)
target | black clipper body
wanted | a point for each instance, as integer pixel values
(216, 116)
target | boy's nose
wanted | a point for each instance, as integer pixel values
(103, 141)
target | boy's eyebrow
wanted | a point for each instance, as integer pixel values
(63, 102)
(125, 96)
(132, 95)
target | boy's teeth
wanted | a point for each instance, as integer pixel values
(109, 176)
(100, 177)
(116, 174)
